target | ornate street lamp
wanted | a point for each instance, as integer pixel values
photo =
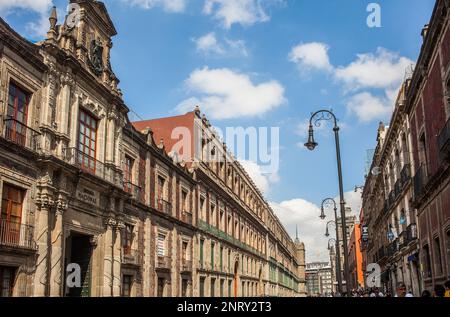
(318, 117)
(331, 202)
(327, 232)
(331, 240)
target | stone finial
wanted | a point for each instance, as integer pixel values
(53, 19)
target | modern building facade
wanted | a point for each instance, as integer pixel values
(87, 193)
(319, 279)
(428, 107)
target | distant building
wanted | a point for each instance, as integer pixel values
(319, 279)
(355, 258)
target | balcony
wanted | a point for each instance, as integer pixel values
(130, 257)
(186, 217)
(164, 206)
(186, 266)
(163, 263)
(402, 240)
(18, 133)
(135, 191)
(420, 181)
(16, 235)
(411, 232)
(444, 141)
(91, 166)
(391, 198)
(405, 174)
(393, 247)
(397, 189)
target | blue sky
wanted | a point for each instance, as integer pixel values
(288, 58)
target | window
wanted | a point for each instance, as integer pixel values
(17, 115)
(437, 256)
(202, 287)
(427, 261)
(6, 281)
(161, 286)
(212, 219)
(229, 260)
(212, 255)
(127, 239)
(202, 242)
(185, 254)
(221, 287)
(128, 173)
(184, 205)
(184, 287)
(161, 245)
(87, 141)
(202, 208)
(221, 259)
(161, 185)
(230, 285)
(213, 287)
(127, 281)
(11, 214)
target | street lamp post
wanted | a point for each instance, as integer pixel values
(337, 264)
(326, 115)
(338, 248)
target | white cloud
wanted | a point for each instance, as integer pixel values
(36, 28)
(209, 45)
(384, 69)
(244, 12)
(262, 181)
(311, 56)
(225, 94)
(173, 6)
(40, 6)
(311, 229)
(368, 107)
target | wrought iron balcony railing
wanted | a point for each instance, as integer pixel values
(402, 240)
(405, 175)
(20, 134)
(391, 198)
(411, 232)
(444, 141)
(16, 235)
(397, 188)
(92, 166)
(130, 256)
(186, 265)
(420, 181)
(135, 191)
(164, 206)
(163, 262)
(393, 247)
(186, 217)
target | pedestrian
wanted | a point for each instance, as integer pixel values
(439, 291)
(426, 293)
(401, 290)
(447, 288)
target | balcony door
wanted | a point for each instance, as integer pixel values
(17, 112)
(87, 142)
(11, 214)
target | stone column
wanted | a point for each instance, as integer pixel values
(57, 259)
(117, 259)
(108, 257)
(110, 137)
(45, 203)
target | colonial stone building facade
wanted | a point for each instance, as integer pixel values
(83, 188)
(390, 218)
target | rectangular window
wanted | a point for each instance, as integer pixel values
(202, 287)
(127, 281)
(161, 286)
(212, 219)
(185, 254)
(221, 287)
(11, 214)
(161, 185)
(437, 256)
(213, 287)
(6, 281)
(161, 245)
(221, 259)
(212, 255)
(127, 239)
(128, 174)
(202, 208)
(87, 141)
(184, 287)
(184, 202)
(229, 261)
(202, 242)
(16, 115)
(230, 285)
